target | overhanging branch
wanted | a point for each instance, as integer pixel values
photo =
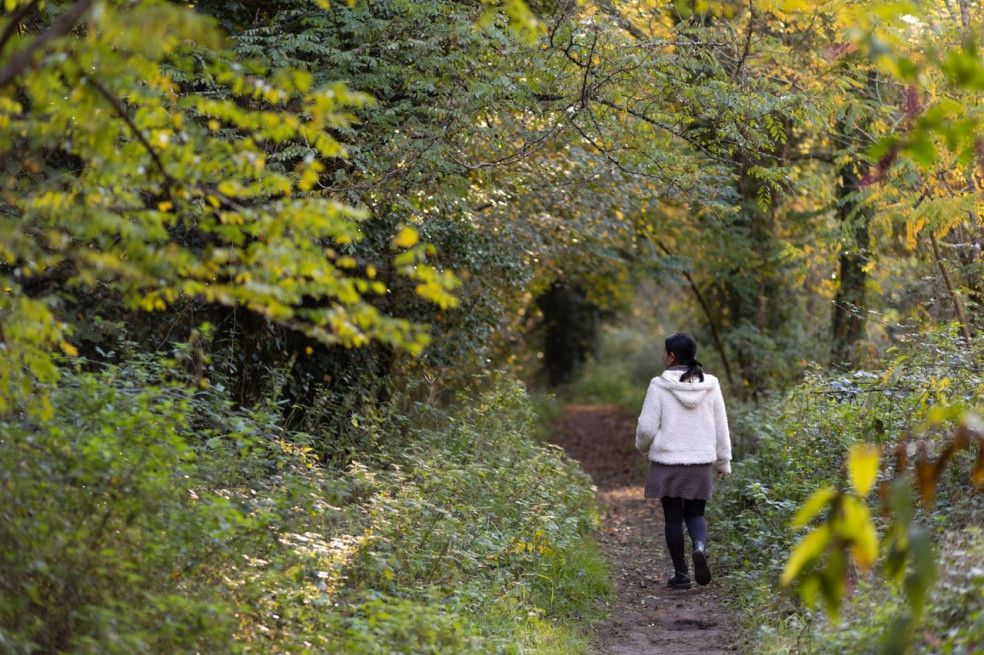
(608, 8)
(15, 20)
(22, 60)
(125, 116)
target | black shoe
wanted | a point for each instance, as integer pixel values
(679, 581)
(701, 571)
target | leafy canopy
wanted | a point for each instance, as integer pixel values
(143, 158)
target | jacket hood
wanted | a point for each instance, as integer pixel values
(691, 393)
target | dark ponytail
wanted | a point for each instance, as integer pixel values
(683, 347)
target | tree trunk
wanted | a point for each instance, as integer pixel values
(571, 325)
(849, 314)
(950, 288)
(848, 325)
(712, 320)
(760, 309)
(973, 263)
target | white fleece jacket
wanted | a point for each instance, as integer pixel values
(685, 422)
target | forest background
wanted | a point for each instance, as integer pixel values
(292, 288)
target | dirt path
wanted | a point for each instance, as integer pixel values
(648, 617)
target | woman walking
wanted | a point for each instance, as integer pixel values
(683, 429)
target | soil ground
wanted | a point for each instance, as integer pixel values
(648, 617)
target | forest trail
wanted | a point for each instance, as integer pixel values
(648, 616)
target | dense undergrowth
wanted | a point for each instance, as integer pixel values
(798, 443)
(150, 517)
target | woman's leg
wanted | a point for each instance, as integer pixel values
(693, 514)
(673, 521)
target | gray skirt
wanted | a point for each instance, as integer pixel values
(688, 481)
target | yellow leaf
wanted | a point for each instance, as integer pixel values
(856, 527)
(69, 349)
(407, 238)
(862, 468)
(817, 501)
(807, 550)
(865, 548)
(912, 230)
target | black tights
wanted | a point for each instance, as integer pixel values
(676, 511)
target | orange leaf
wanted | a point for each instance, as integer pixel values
(977, 477)
(925, 480)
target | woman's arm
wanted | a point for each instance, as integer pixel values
(723, 435)
(649, 419)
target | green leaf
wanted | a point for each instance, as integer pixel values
(906, 69)
(923, 570)
(809, 589)
(921, 149)
(900, 497)
(834, 583)
(896, 551)
(963, 69)
(882, 147)
(940, 414)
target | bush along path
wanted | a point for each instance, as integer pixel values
(647, 617)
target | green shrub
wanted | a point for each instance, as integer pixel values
(110, 544)
(147, 516)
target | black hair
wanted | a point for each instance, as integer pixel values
(683, 347)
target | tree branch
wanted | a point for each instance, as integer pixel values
(59, 28)
(964, 14)
(949, 8)
(123, 114)
(954, 298)
(15, 20)
(619, 18)
(663, 126)
(715, 335)
(748, 41)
